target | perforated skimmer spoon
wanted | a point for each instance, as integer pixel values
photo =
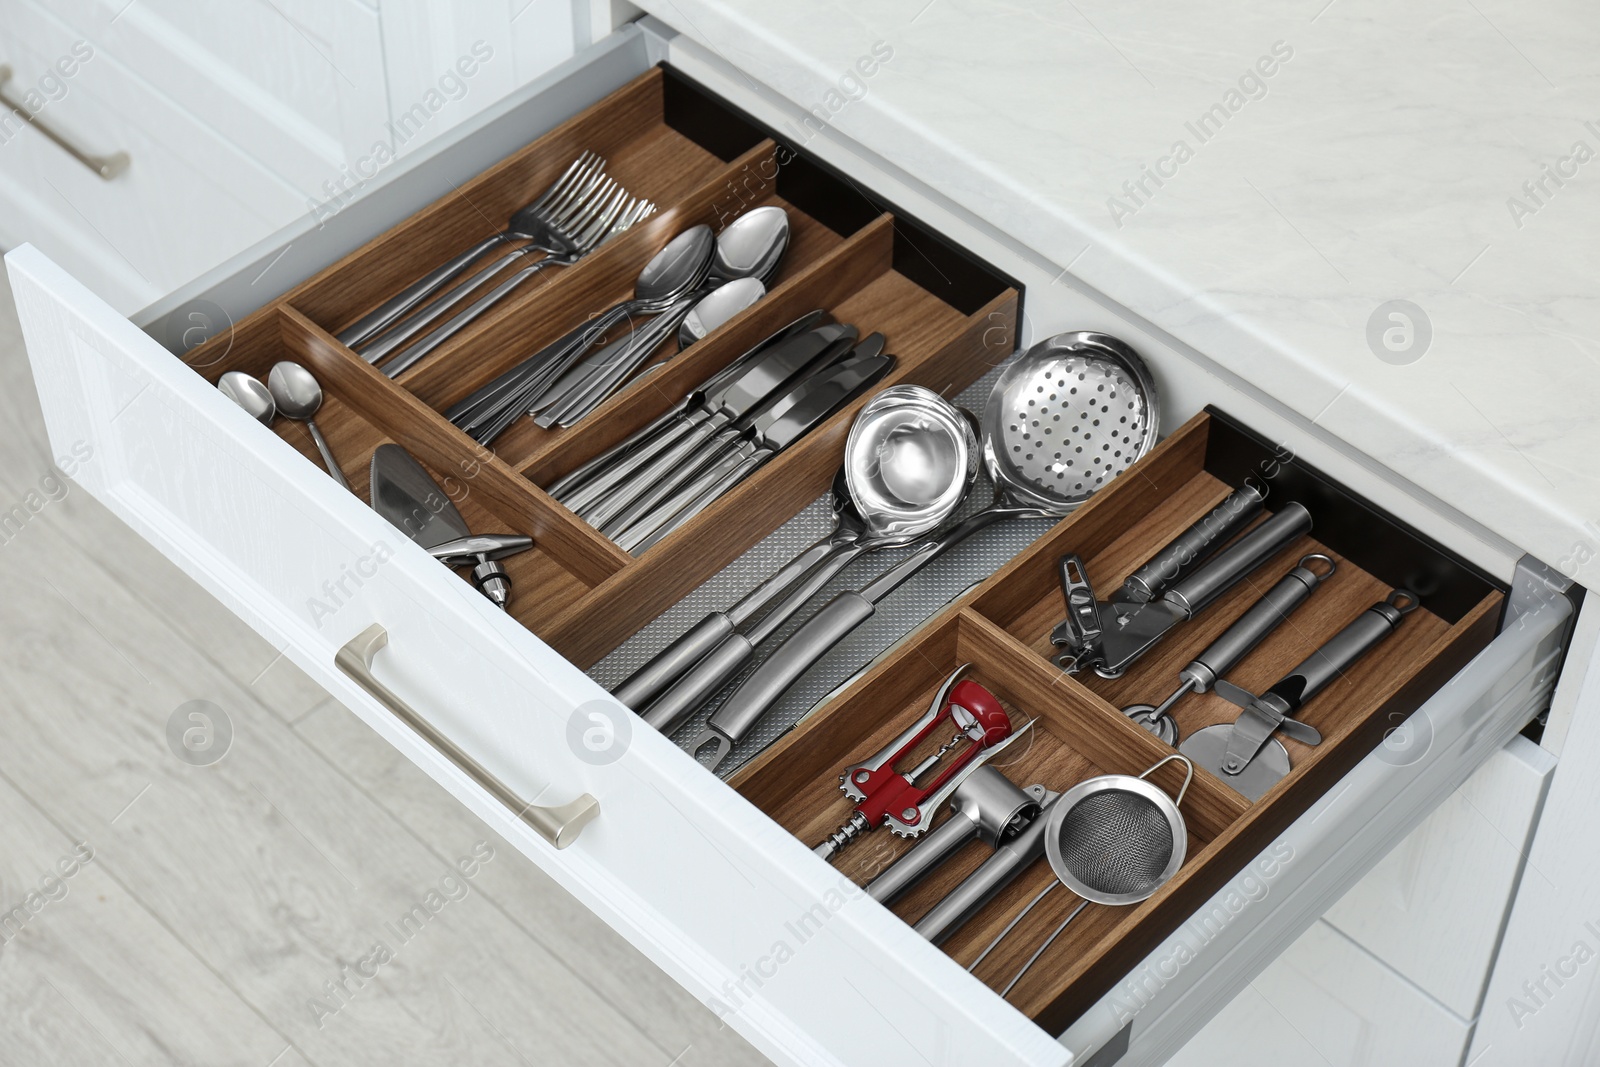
(1071, 414)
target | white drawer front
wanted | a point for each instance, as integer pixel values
(703, 882)
(187, 200)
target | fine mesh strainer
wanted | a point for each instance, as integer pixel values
(1067, 417)
(1115, 839)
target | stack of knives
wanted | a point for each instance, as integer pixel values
(665, 474)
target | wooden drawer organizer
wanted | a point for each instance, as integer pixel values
(945, 317)
(1003, 629)
(948, 319)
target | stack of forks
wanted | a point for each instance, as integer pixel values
(578, 213)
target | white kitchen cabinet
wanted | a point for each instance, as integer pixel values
(187, 198)
(1434, 908)
(238, 117)
(1327, 1001)
(701, 880)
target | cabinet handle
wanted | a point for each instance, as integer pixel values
(107, 167)
(560, 826)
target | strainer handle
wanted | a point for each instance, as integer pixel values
(1187, 778)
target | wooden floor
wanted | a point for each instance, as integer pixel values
(230, 914)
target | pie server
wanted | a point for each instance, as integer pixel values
(406, 494)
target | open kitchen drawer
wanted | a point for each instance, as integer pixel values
(716, 884)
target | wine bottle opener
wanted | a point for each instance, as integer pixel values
(907, 800)
(1244, 753)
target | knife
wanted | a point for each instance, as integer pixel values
(806, 406)
(403, 492)
(586, 484)
(741, 395)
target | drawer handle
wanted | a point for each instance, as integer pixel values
(560, 826)
(107, 167)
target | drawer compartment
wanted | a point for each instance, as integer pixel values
(1003, 630)
(596, 594)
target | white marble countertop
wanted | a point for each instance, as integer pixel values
(1393, 152)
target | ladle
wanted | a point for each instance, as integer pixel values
(1074, 412)
(907, 436)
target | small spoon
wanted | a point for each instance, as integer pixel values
(249, 394)
(717, 307)
(299, 397)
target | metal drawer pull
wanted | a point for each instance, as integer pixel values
(560, 826)
(107, 167)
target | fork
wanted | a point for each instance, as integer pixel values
(621, 212)
(575, 184)
(560, 239)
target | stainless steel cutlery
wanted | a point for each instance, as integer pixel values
(581, 211)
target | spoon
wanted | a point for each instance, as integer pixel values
(671, 273)
(618, 359)
(748, 247)
(907, 435)
(299, 397)
(249, 394)
(1050, 440)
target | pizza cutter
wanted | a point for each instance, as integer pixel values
(1243, 753)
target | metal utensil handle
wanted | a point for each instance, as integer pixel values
(596, 376)
(1264, 616)
(661, 477)
(793, 658)
(681, 699)
(376, 347)
(1006, 992)
(486, 398)
(678, 658)
(1341, 651)
(571, 483)
(1186, 551)
(409, 297)
(327, 454)
(559, 825)
(733, 651)
(460, 321)
(943, 842)
(618, 469)
(1246, 554)
(106, 167)
(982, 885)
(671, 663)
(707, 484)
(746, 468)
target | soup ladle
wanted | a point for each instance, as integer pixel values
(1062, 420)
(910, 460)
